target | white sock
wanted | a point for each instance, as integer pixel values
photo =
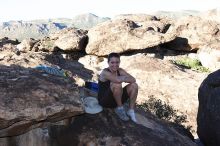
(132, 115)
(120, 107)
(131, 110)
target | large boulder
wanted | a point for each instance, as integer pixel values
(147, 21)
(70, 39)
(208, 117)
(45, 44)
(193, 33)
(123, 35)
(209, 55)
(106, 129)
(26, 45)
(30, 98)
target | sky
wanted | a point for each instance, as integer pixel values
(45, 9)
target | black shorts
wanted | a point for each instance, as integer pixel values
(107, 99)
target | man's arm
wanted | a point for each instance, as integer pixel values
(126, 76)
(109, 76)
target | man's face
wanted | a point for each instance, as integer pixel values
(114, 63)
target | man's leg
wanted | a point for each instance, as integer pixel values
(117, 95)
(117, 92)
(132, 90)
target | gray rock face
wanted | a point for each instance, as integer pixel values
(106, 129)
(30, 98)
(208, 117)
(123, 35)
(101, 129)
(35, 137)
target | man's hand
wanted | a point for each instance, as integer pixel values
(127, 79)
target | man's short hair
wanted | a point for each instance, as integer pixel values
(113, 55)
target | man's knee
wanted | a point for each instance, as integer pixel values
(116, 86)
(133, 86)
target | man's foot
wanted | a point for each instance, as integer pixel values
(121, 113)
(131, 114)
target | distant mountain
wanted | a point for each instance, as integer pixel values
(176, 14)
(40, 28)
(213, 15)
(87, 21)
(21, 30)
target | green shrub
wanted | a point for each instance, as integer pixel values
(194, 64)
(164, 111)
